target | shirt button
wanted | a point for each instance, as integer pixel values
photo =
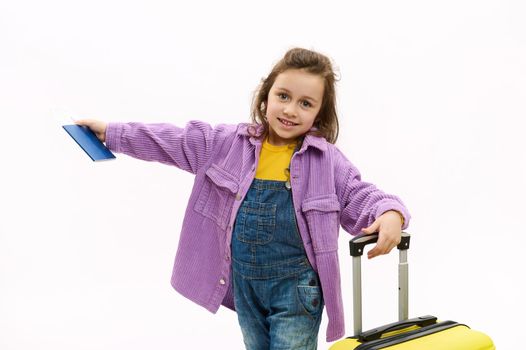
(238, 196)
(222, 282)
(227, 258)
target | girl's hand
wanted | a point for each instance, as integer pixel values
(97, 126)
(389, 228)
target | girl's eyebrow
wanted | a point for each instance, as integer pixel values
(305, 97)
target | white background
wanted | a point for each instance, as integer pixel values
(431, 106)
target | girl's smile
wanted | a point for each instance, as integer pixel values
(287, 123)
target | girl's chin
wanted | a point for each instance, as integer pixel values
(281, 140)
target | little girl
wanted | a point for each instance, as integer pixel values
(260, 233)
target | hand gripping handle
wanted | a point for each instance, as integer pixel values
(357, 244)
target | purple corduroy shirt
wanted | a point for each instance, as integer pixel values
(327, 192)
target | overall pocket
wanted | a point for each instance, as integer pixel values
(309, 293)
(255, 222)
(217, 195)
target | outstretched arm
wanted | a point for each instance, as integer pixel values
(187, 148)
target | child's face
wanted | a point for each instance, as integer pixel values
(295, 96)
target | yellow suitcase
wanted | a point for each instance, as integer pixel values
(420, 333)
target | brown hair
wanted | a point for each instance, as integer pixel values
(312, 62)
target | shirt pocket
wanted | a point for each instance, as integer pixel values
(216, 197)
(322, 214)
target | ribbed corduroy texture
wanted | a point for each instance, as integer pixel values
(327, 192)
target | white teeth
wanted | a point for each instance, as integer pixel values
(286, 122)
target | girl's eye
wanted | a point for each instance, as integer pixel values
(282, 96)
(306, 104)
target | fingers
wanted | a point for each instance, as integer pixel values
(377, 250)
(84, 122)
(389, 234)
(380, 249)
(372, 229)
(386, 243)
(97, 126)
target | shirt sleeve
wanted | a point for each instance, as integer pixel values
(362, 202)
(187, 148)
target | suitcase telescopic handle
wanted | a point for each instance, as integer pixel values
(356, 246)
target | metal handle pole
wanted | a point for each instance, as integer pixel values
(357, 293)
(403, 286)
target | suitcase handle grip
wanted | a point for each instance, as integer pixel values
(377, 333)
(358, 243)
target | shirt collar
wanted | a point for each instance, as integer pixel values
(309, 140)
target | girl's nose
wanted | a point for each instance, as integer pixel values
(289, 110)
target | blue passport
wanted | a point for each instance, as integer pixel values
(87, 140)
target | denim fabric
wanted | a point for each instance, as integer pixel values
(277, 294)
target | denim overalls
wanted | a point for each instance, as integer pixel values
(277, 294)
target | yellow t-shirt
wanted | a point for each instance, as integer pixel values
(274, 160)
